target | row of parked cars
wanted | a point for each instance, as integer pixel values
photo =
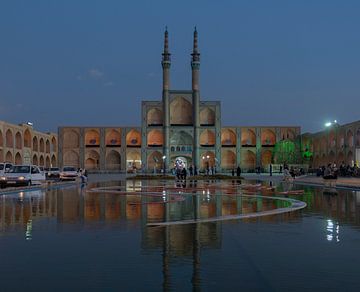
(16, 175)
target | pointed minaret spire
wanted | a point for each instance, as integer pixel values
(195, 55)
(166, 54)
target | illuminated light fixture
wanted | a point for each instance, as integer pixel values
(328, 124)
(30, 124)
(164, 157)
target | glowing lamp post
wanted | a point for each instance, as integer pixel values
(164, 167)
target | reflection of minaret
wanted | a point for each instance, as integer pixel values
(195, 68)
(166, 63)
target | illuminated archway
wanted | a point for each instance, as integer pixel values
(248, 137)
(207, 138)
(92, 138)
(207, 159)
(133, 160)
(155, 161)
(228, 138)
(180, 112)
(266, 158)
(268, 137)
(228, 159)
(133, 138)
(113, 138)
(155, 138)
(248, 160)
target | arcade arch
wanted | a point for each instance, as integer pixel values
(53, 144)
(266, 158)
(35, 144)
(27, 138)
(92, 159)
(47, 146)
(71, 158)
(154, 117)
(154, 161)
(9, 157)
(133, 160)
(1, 139)
(207, 159)
(113, 138)
(357, 143)
(350, 138)
(42, 145)
(113, 160)
(180, 112)
(155, 138)
(53, 161)
(18, 159)
(47, 161)
(18, 140)
(9, 139)
(228, 138)
(92, 138)
(207, 138)
(207, 117)
(248, 138)
(268, 138)
(71, 139)
(133, 138)
(248, 160)
(41, 160)
(228, 159)
(35, 160)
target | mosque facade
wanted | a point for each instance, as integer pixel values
(180, 126)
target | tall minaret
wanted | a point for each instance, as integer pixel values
(195, 68)
(166, 63)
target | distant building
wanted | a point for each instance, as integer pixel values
(180, 126)
(337, 143)
(21, 144)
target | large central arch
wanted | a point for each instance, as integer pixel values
(113, 160)
(180, 112)
(92, 160)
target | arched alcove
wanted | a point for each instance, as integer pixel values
(248, 160)
(41, 161)
(155, 138)
(248, 138)
(228, 138)
(35, 160)
(207, 138)
(350, 138)
(47, 146)
(133, 138)
(53, 144)
(133, 160)
(42, 145)
(71, 158)
(9, 157)
(47, 161)
(180, 112)
(27, 138)
(18, 140)
(154, 117)
(181, 138)
(268, 137)
(266, 158)
(71, 139)
(35, 144)
(92, 160)
(207, 159)
(53, 161)
(18, 159)
(9, 139)
(155, 161)
(113, 160)
(288, 134)
(207, 117)
(228, 159)
(92, 138)
(113, 138)
(1, 139)
(2, 156)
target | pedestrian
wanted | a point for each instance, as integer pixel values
(233, 172)
(270, 169)
(195, 170)
(238, 171)
(191, 170)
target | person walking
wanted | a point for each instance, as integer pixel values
(238, 171)
(270, 169)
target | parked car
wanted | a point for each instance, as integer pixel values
(4, 167)
(69, 173)
(22, 175)
(53, 173)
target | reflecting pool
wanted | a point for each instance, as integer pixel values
(110, 236)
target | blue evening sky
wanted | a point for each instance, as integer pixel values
(92, 62)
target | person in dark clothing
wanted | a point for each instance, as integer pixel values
(270, 169)
(195, 170)
(183, 173)
(191, 170)
(233, 172)
(238, 171)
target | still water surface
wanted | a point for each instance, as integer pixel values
(71, 239)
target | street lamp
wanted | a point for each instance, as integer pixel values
(164, 168)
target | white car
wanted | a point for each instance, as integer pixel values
(5, 167)
(22, 175)
(69, 173)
